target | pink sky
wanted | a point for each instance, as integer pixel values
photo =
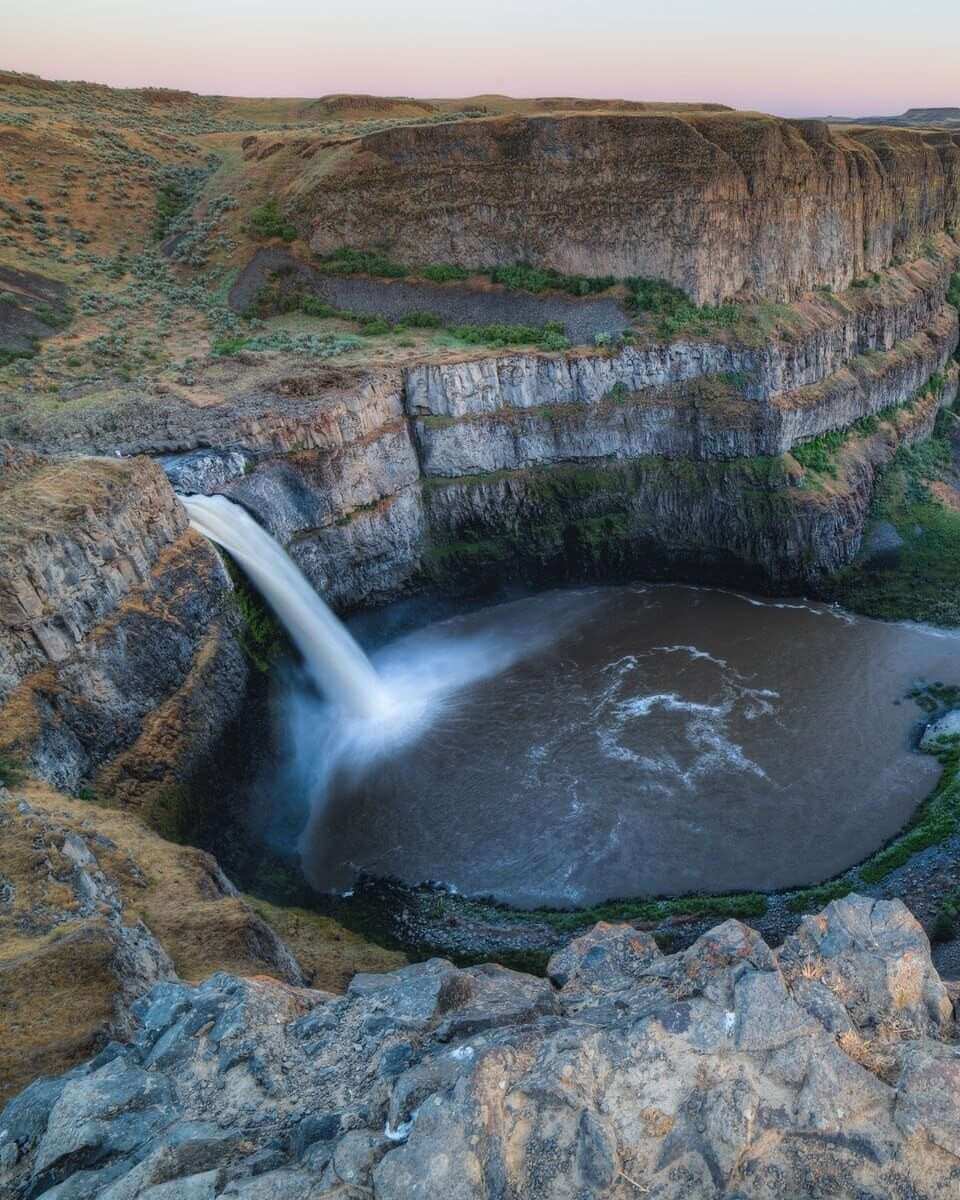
(839, 57)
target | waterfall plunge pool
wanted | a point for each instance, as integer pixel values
(589, 743)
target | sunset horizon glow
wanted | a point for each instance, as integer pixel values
(847, 59)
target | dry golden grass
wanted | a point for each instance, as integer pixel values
(58, 988)
(329, 954)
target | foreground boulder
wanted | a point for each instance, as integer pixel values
(827, 1069)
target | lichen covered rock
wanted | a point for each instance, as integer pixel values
(701, 1074)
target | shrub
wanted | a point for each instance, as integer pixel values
(225, 347)
(313, 306)
(550, 336)
(347, 261)
(375, 327)
(172, 197)
(818, 454)
(11, 771)
(420, 320)
(444, 273)
(267, 221)
(526, 278)
(675, 312)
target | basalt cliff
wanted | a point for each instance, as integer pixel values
(720, 204)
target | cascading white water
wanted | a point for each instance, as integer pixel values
(336, 662)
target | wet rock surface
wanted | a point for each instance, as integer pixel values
(825, 1069)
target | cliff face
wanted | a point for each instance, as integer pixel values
(118, 663)
(719, 204)
(591, 462)
(828, 1067)
(742, 522)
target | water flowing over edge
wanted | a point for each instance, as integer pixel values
(336, 663)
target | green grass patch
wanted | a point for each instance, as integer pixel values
(12, 771)
(444, 273)
(743, 904)
(267, 221)
(920, 579)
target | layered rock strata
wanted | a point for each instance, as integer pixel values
(655, 451)
(827, 1068)
(118, 660)
(718, 204)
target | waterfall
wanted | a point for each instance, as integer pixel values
(337, 663)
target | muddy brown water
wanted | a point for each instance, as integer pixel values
(654, 740)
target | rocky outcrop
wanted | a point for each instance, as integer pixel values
(827, 1069)
(719, 204)
(94, 910)
(118, 661)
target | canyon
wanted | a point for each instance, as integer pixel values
(173, 1036)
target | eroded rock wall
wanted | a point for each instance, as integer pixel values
(708, 417)
(754, 523)
(719, 204)
(118, 660)
(823, 335)
(436, 472)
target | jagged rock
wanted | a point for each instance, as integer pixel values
(608, 958)
(204, 470)
(723, 1070)
(875, 958)
(927, 1092)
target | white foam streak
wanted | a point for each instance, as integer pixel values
(336, 662)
